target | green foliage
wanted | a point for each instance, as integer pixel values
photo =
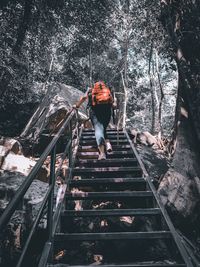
(67, 41)
(34, 32)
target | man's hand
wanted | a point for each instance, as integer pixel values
(75, 106)
(114, 105)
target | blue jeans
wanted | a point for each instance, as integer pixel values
(100, 116)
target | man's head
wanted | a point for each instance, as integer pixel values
(99, 83)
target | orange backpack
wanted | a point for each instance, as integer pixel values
(101, 94)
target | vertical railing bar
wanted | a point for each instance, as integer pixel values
(68, 178)
(71, 163)
(56, 215)
(77, 123)
(45, 254)
(51, 196)
(62, 160)
(33, 229)
(70, 147)
(64, 154)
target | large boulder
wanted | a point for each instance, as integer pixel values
(52, 111)
(23, 165)
(11, 181)
(13, 160)
(156, 162)
(180, 196)
(11, 144)
(8, 145)
(17, 163)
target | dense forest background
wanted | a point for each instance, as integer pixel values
(78, 42)
(148, 51)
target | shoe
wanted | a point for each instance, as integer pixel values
(102, 156)
(108, 147)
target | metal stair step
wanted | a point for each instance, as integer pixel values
(142, 264)
(109, 184)
(111, 212)
(114, 154)
(111, 137)
(109, 131)
(108, 171)
(94, 148)
(108, 195)
(106, 163)
(61, 237)
(106, 181)
(113, 142)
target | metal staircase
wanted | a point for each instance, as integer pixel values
(110, 209)
(121, 179)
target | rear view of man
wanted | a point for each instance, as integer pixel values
(100, 102)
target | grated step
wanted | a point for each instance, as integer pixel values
(102, 181)
(109, 131)
(113, 142)
(94, 148)
(106, 163)
(108, 171)
(61, 237)
(112, 213)
(108, 195)
(148, 264)
(110, 137)
(112, 155)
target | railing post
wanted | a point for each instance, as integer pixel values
(70, 146)
(51, 197)
(77, 123)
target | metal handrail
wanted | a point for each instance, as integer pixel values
(49, 196)
(47, 251)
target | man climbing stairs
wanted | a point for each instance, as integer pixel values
(112, 215)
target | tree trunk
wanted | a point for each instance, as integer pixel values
(23, 27)
(161, 98)
(124, 103)
(90, 66)
(151, 82)
(178, 188)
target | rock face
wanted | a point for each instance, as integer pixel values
(13, 160)
(11, 181)
(151, 151)
(144, 138)
(8, 145)
(13, 172)
(14, 169)
(179, 188)
(155, 161)
(52, 111)
(178, 192)
(23, 218)
(23, 165)
(17, 163)
(182, 198)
